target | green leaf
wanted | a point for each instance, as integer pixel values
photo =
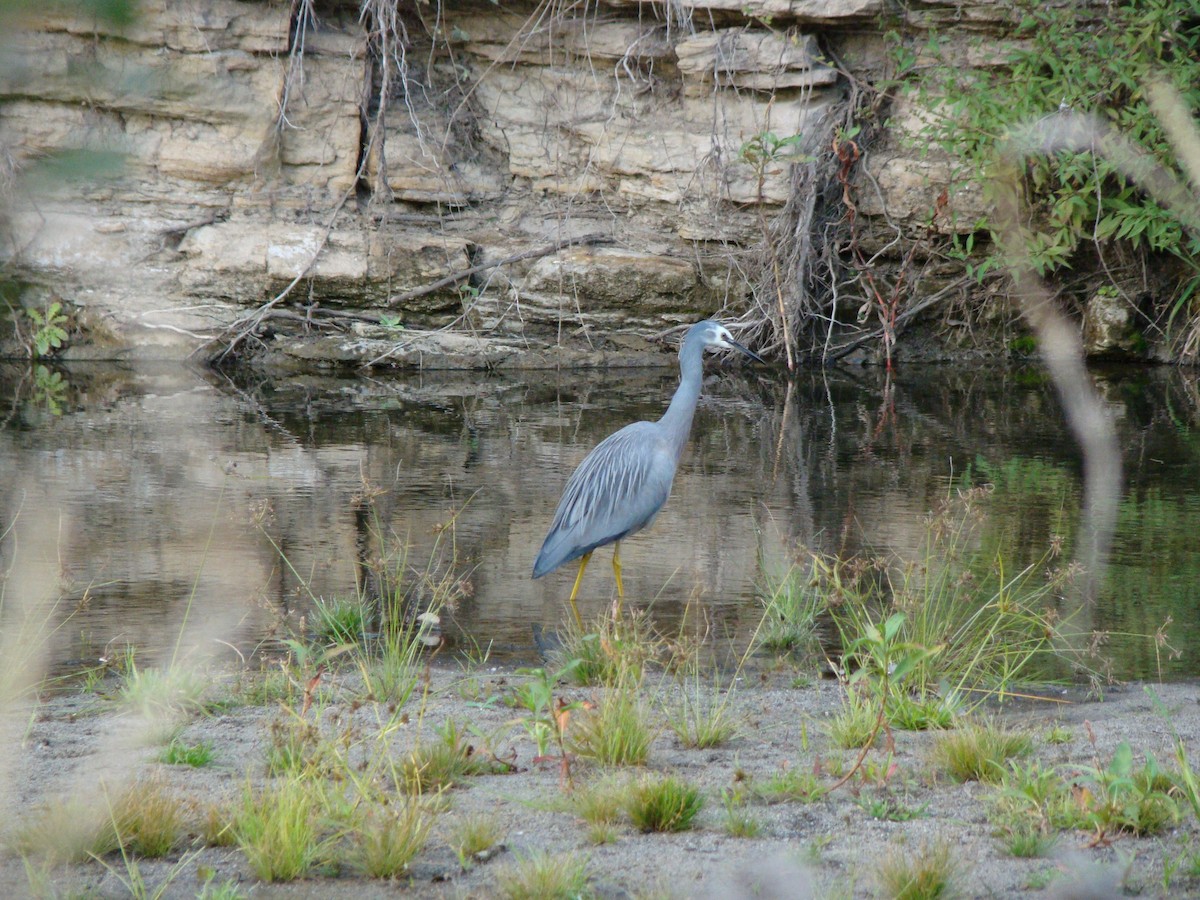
(1122, 761)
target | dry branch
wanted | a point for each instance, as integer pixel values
(310, 314)
(464, 274)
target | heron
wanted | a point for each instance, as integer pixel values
(622, 484)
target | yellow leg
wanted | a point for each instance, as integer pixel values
(575, 590)
(617, 575)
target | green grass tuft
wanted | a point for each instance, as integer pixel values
(616, 732)
(739, 821)
(979, 752)
(442, 762)
(542, 876)
(791, 605)
(66, 830)
(149, 821)
(276, 829)
(664, 803)
(788, 785)
(340, 621)
(924, 875)
(178, 753)
(614, 650)
(474, 837)
(386, 839)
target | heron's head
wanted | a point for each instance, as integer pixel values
(712, 334)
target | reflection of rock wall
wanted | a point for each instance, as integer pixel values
(513, 130)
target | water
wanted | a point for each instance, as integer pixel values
(167, 507)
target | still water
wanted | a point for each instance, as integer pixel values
(172, 507)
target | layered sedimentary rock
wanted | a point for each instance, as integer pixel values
(259, 151)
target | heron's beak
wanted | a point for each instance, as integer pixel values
(746, 350)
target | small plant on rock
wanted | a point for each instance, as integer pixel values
(49, 329)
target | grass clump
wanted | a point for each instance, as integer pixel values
(265, 686)
(616, 731)
(602, 801)
(858, 722)
(703, 717)
(295, 746)
(340, 621)
(979, 752)
(391, 664)
(927, 713)
(614, 650)
(1029, 843)
(738, 820)
(215, 823)
(148, 820)
(886, 807)
(789, 785)
(664, 803)
(386, 839)
(600, 805)
(66, 831)
(543, 876)
(1031, 804)
(277, 831)
(439, 763)
(164, 696)
(474, 837)
(1120, 798)
(1130, 800)
(955, 623)
(791, 604)
(180, 753)
(1059, 734)
(225, 890)
(926, 874)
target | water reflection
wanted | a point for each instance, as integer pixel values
(152, 502)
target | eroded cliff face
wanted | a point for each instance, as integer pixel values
(627, 163)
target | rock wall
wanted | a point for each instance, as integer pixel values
(261, 150)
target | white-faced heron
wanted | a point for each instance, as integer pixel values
(621, 485)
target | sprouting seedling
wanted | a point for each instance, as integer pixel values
(549, 715)
(888, 661)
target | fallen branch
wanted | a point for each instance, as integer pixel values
(245, 326)
(463, 274)
(848, 348)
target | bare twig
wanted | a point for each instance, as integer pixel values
(244, 326)
(463, 274)
(845, 349)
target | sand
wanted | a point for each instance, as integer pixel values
(828, 848)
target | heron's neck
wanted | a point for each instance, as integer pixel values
(677, 420)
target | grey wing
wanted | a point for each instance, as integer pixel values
(617, 490)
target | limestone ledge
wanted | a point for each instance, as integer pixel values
(533, 128)
(434, 350)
